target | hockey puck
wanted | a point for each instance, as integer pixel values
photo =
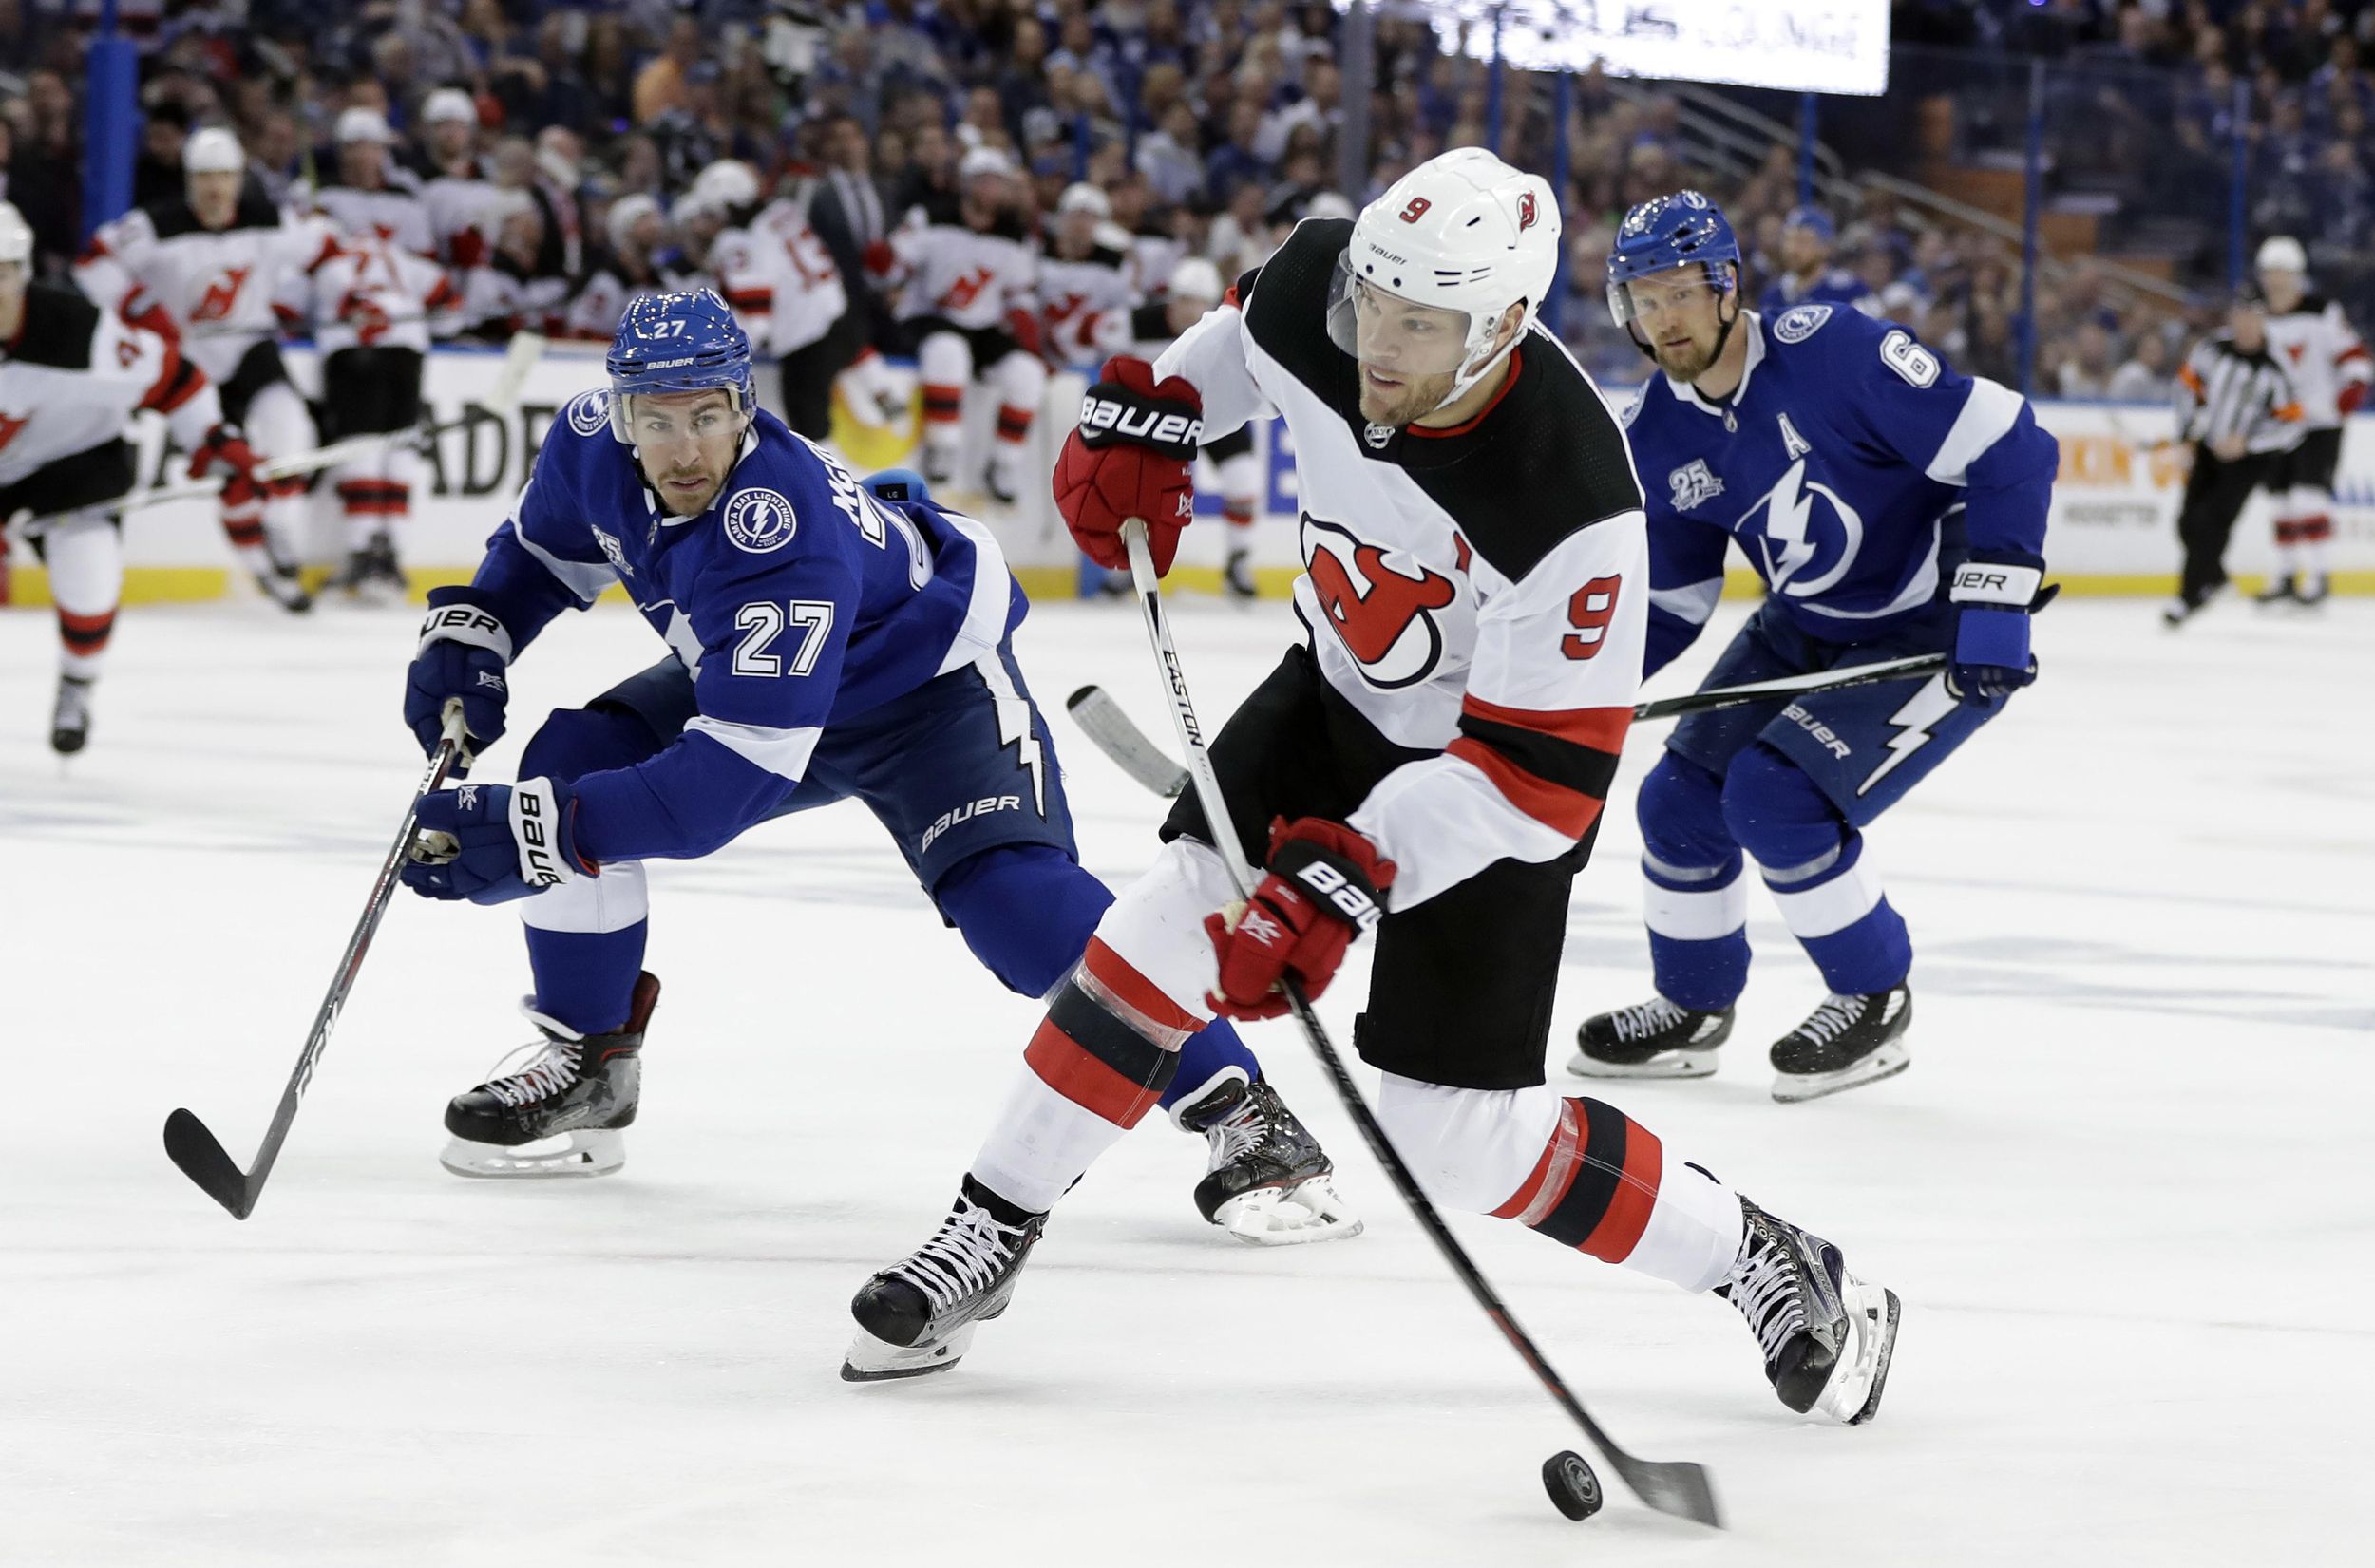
(1574, 1489)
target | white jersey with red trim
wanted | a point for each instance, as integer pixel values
(1480, 592)
(779, 279)
(1085, 306)
(499, 299)
(74, 376)
(604, 296)
(218, 287)
(391, 213)
(965, 278)
(376, 295)
(462, 225)
(2322, 353)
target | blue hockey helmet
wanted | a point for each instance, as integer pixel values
(683, 342)
(1667, 231)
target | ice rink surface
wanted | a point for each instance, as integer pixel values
(2124, 1191)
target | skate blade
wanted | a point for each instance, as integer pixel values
(1289, 1217)
(1854, 1397)
(872, 1360)
(578, 1154)
(1666, 1063)
(1792, 1087)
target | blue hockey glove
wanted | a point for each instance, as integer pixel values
(491, 843)
(463, 654)
(1993, 601)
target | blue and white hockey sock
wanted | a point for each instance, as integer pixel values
(1697, 920)
(1835, 907)
(585, 946)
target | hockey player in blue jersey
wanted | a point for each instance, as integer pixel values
(827, 639)
(1894, 507)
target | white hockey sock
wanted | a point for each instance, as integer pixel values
(85, 555)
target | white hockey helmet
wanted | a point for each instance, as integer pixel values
(727, 185)
(1464, 234)
(1196, 279)
(362, 125)
(213, 150)
(984, 160)
(2280, 254)
(1081, 197)
(16, 238)
(624, 213)
(447, 104)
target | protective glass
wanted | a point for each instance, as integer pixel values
(1396, 335)
(1654, 298)
(634, 419)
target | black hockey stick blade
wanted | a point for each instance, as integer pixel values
(200, 1156)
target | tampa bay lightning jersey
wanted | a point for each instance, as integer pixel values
(1856, 468)
(797, 599)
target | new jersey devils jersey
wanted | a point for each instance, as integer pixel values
(218, 287)
(1085, 306)
(373, 294)
(779, 279)
(390, 213)
(2320, 351)
(965, 278)
(1478, 590)
(461, 221)
(71, 382)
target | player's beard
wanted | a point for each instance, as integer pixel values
(1689, 362)
(1415, 399)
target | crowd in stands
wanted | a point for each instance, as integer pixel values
(1208, 122)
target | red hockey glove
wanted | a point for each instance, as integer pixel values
(1321, 891)
(1023, 326)
(154, 317)
(2352, 394)
(226, 447)
(1134, 454)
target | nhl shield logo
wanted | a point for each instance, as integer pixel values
(1526, 212)
(589, 412)
(760, 520)
(1376, 436)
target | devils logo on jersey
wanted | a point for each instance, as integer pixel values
(965, 290)
(1381, 603)
(9, 426)
(221, 296)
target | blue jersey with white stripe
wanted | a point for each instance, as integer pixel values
(797, 599)
(1855, 468)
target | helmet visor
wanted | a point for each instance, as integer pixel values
(1392, 334)
(1661, 296)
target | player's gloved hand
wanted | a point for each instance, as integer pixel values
(464, 652)
(1132, 456)
(491, 843)
(2348, 400)
(225, 447)
(1994, 598)
(1324, 889)
(1023, 327)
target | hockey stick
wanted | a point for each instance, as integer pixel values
(198, 1152)
(1679, 1488)
(503, 399)
(1102, 720)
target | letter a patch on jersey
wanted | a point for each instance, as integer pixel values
(1794, 445)
(1380, 613)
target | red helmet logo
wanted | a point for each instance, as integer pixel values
(1525, 211)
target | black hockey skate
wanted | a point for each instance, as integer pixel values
(1845, 1042)
(1237, 579)
(1268, 1181)
(2280, 591)
(1827, 1337)
(70, 721)
(372, 575)
(565, 1112)
(918, 1315)
(2313, 592)
(1652, 1039)
(280, 582)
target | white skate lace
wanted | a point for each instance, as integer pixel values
(1830, 1020)
(1766, 1293)
(554, 1071)
(961, 1259)
(1644, 1019)
(1238, 1133)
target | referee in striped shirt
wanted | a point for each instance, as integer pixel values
(2237, 408)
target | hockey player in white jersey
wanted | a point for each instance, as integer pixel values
(375, 306)
(211, 272)
(1429, 766)
(71, 378)
(2329, 368)
(1195, 289)
(969, 304)
(1085, 292)
(784, 286)
(456, 190)
(371, 195)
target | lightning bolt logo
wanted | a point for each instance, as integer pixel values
(1922, 710)
(1789, 510)
(1013, 725)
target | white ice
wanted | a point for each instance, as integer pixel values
(2124, 1191)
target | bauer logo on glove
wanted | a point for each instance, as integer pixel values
(1170, 430)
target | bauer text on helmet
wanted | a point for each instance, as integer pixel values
(681, 394)
(1440, 277)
